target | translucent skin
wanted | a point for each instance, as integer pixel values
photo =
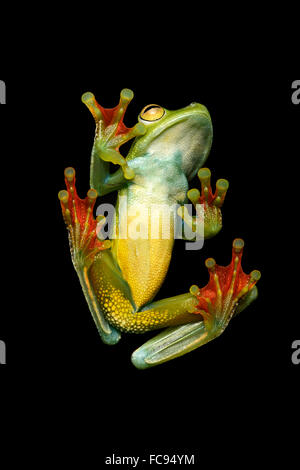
(120, 278)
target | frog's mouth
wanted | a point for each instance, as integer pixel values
(186, 135)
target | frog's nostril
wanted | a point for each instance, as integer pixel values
(193, 103)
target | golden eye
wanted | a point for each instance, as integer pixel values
(152, 112)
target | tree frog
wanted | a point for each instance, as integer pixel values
(120, 277)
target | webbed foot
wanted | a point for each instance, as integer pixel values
(228, 292)
(207, 204)
(227, 289)
(81, 225)
(111, 132)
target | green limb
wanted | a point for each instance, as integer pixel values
(177, 341)
(110, 134)
(171, 343)
(108, 333)
(85, 247)
(100, 177)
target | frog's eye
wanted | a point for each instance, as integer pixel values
(152, 112)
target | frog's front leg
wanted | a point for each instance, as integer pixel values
(227, 293)
(208, 219)
(110, 134)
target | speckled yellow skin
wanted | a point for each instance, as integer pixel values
(120, 312)
(127, 277)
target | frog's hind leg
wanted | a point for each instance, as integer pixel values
(193, 319)
(85, 247)
(227, 293)
(114, 296)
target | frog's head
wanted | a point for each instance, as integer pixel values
(184, 136)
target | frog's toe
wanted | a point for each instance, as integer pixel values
(227, 289)
(222, 186)
(204, 176)
(126, 95)
(194, 195)
(95, 109)
(207, 196)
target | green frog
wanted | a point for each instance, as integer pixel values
(121, 276)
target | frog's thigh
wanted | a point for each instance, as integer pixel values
(111, 290)
(171, 311)
(115, 299)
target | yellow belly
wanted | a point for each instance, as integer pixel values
(144, 265)
(144, 242)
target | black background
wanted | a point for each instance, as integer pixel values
(233, 391)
